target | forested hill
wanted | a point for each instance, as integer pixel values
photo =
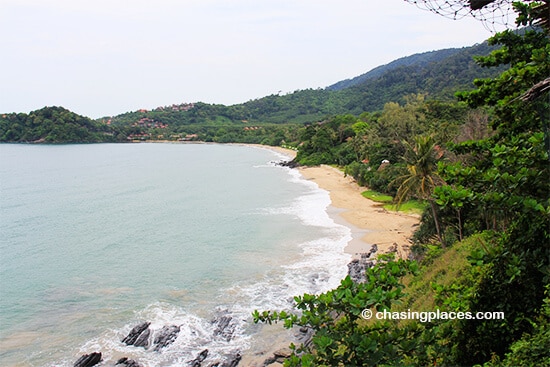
(56, 125)
(417, 60)
(438, 77)
(438, 74)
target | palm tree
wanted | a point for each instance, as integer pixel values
(421, 178)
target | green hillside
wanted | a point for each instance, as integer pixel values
(56, 125)
(438, 74)
(419, 60)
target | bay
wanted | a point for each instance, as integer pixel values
(97, 238)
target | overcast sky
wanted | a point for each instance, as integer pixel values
(105, 57)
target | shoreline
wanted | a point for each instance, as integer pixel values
(289, 153)
(275, 340)
(369, 222)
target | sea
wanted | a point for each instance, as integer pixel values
(98, 238)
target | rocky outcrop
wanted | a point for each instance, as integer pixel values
(197, 362)
(290, 164)
(279, 356)
(139, 335)
(232, 361)
(357, 267)
(223, 327)
(127, 362)
(88, 360)
(165, 336)
(304, 335)
(143, 339)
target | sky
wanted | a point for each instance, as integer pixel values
(106, 57)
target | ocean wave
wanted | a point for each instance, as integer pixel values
(319, 266)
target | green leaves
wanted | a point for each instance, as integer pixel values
(342, 337)
(454, 197)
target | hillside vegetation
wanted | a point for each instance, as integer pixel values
(55, 125)
(479, 282)
(437, 75)
(479, 165)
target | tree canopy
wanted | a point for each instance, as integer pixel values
(493, 203)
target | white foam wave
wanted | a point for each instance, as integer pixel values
(322, 264)
(196, 334)
(320, 267)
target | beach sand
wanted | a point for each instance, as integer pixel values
(369, 221)
(291, 154)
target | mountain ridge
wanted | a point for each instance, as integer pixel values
(436, 74)
(418, 58)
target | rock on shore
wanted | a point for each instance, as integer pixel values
(88, 360)
(357, 267)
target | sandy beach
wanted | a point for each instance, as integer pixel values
(370, 222)
(291, 154)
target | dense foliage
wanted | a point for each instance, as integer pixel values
(342, 337)
(56, 125)
(508, 177)
(480, 163)
(269, 120)
(490, 196)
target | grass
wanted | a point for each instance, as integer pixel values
(411, 206)
(446, 268)
(378, 197)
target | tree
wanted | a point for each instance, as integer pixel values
(421, 178)
(342, 335)
(508, 174)
(456, 198)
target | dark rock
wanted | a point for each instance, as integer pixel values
(166, 336)
(305, 335)
(357, 267)
(232, 361)
(356, 271)
(88, 360)
(127, 362)
(201, 357)
(143, 340)
(290, 164)
(136, 336)
(224, 327)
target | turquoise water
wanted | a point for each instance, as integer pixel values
(97, 238)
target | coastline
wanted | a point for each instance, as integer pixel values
(273, 340)
(289, 153)
(370, 223)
